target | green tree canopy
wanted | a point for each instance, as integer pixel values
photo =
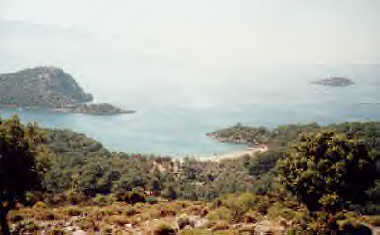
(22, 163)
(326, 170)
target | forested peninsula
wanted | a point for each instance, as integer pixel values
(50, 88)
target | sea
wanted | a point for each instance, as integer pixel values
(173, 115)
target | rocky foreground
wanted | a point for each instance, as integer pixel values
(177, 217)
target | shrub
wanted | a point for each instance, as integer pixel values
(239, 205)
(25, 227)
(220, 225)
(56, 199)
(40, 205)
(106, 230)
(86, 223)
(250, 217)
(56, 231)
(15, 217)
(131, 211)
(163, 229)
(151, 200)
(326, 169)
(167, 211)
(103, 200)
(196, 232)
(45, 215)
(73, 211)
(374, 220)
(279, 210)
(135, 197)
(132, 197)
(118, 220)
(197, 210)
(75, 198)
(221, 213)
(183, 221)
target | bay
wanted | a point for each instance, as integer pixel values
(174, 119)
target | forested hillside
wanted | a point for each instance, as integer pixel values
(94, 189)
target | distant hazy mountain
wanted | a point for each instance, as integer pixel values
(41, 86)
(335, 81)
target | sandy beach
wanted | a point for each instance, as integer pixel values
(251, 151)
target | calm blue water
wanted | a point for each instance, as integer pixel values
(174, 118)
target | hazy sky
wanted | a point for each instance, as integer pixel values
(209, 32)
(174, 41)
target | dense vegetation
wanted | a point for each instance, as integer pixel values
(279, 139)
(23, 161)
(120, 188)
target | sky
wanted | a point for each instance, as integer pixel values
(176, 42)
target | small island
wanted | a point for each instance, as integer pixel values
(335, 82)
(49, 88)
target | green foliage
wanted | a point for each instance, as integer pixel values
(151, 200)
(103, 200)
(221, 213)
(263, 162)
(84, 166)
(84, 173)
(239, 205)
(23, 161)
(327, 170)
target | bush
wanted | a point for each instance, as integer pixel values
(279, 210)
(375, 220)
(131, 211)
(118, 220)
(196, 232)
(221, 213)
(15, 217)
(75, 198)
(326, 170)
(103, 200)
(56, 231)
(183, 221)
(25, 227)
(151, 200)
(132, 197)
(40, 205)
(263, 162)
(239, 205)
(164, 229)
(73, 211)
(135, 197)
(45, 215)
(220, 225)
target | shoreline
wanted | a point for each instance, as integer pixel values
(250, 151)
